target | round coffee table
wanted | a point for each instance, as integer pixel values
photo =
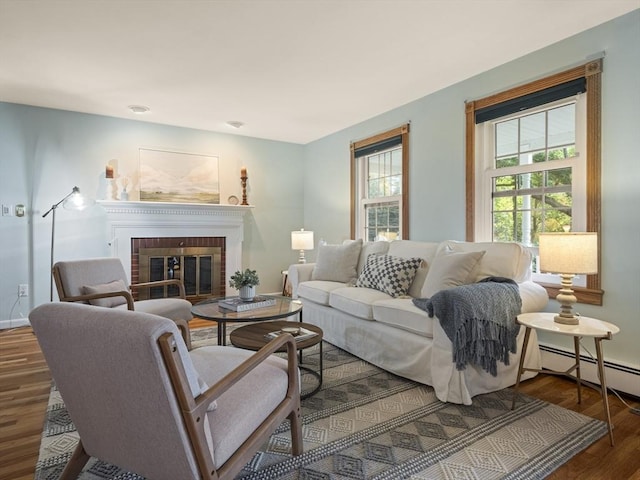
(256, 336)
(211, 310)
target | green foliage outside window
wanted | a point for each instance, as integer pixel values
(526, 204)
(384, 179)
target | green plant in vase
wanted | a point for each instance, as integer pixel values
(245, 282)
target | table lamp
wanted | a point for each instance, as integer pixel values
(568, 254)
(302, 240)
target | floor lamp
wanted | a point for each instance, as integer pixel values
(73, 201)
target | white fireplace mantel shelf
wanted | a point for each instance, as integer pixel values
(164, 208)
(127, 220)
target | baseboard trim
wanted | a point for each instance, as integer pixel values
(621, 378)
(14, 323)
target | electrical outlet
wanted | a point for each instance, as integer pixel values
(7, 210)
(23, 290)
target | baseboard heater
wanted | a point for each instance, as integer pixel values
(621, 378)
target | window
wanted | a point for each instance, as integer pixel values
(379, 189)
(530, 175)
(533, 164)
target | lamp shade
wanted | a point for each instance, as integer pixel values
(302, 240)
(570, 252)
(76, 201)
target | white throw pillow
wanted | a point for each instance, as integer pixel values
(380, 247)
(502, 259)
(109, 302)
(450, 270)
(337, 263)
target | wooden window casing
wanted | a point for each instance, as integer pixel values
(592, 72)
(403, 132)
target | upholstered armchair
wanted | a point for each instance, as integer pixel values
(103, 282)
(141, 401)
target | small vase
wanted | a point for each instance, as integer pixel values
(247, 293)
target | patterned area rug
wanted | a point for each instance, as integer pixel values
(366, 423)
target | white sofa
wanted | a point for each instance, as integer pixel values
(390, 331)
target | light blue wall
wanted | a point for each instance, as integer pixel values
(45, 152)
(437, 174)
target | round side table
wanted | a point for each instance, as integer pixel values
(255, 336)
(588, 327)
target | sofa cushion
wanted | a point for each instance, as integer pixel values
(389, 274)
(109, 302)
(356, 301)
(368, 248)
(502, 259)
(410, 248)
(403, 314)
(450, 270)
(318, 290)
(337, 263)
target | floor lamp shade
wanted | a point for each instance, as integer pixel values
(302, 240)
(72, 201)
(568, 254)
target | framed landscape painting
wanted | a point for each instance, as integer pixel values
(178, 177)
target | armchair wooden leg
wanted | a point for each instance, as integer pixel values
(76, 463)
(296, 432)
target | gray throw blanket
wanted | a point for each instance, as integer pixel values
(479, 319)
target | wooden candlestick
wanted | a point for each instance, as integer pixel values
(243, 180)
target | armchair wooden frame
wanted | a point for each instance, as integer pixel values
(194, 410)
(183, 326)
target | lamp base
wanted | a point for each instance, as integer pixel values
(301, 258)
(566, 320)
(566, 299)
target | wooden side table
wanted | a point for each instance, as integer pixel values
(254, 337)
(588, 327)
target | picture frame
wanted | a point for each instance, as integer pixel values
(178, 177)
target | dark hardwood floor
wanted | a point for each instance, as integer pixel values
(25, 384)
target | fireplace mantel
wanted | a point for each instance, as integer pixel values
(127, 220)
(162, 208)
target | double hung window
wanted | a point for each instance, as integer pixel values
(532, 179)
(533, 165)
(379, 186)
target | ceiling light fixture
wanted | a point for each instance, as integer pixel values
(139, 109)
(235, 123)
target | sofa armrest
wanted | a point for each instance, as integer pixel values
(534, 297)
(298, 273)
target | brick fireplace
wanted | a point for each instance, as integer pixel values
(218, 229)
(198, 262)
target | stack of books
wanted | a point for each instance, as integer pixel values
(301, 334)
(238, 305)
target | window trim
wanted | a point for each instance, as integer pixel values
(403, 132)
(592, 71)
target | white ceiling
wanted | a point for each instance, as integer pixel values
(291, 70)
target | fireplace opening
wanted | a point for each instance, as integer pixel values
(198, 262)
